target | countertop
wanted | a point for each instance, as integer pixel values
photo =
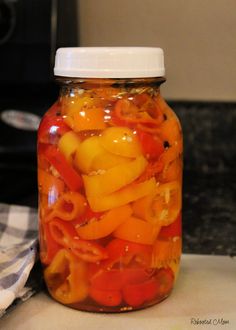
(203, 298)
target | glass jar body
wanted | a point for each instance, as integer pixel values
(110, 182)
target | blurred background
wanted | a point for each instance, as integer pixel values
(198, 38)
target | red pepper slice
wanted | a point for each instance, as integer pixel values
(87, 251)
(136, 294)
(65, 235)
(87, 216)
(62, 232)
(152, 145)
(174, 229)
(109, 298)
(71, 178)
(127, 113)
(119, 249)
(156, 287)
(115, 279)
(52, 127)
(165, 278)
(48, 246)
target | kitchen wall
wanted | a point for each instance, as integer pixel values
(198, 37)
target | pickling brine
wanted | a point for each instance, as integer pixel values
(110, 193)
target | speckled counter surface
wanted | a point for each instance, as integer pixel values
(209, 191)
(209, 213)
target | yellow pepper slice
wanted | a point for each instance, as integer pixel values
(121, 141)
(162, 206)
(69, 206)
(68, 144)
(123, 196)
(137, 230)
(86, 152)
(91, 156)
(114, 178)
(66, 278)
(106, 160)
(106, 225)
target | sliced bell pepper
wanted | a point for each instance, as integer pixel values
(88, 251)
(68, 207)
(48, 182)
(66, 278)
(171, 154)
(138, 231)
(86, 152)
(152, 145)
(152, 170)
(48, 246)
(165, 278)
(106, 160)
(114, 178)
(158, 287)
(173, 230)
(71, 178)
(115, 279)
(123, 196)
(68, 144)
(121, 141)
(62, 232)
(162, 206)
(66, 235)
(91, 156)
(172, 171)
(52, 126)
(170, 130)
(109, 298)
(127, 112)
(166, 111)
(105, 225)
(87, 216)
(137, 294)
(124, 251)
(86, 118)
(166, 251)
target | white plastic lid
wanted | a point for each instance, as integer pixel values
(109, 62)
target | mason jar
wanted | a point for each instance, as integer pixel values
(110, 181)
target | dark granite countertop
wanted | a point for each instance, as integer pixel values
(209, 190)
(209, 213)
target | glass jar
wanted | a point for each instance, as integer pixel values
(110, 181)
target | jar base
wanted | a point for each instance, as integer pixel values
(91, 306)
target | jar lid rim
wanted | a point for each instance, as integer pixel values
(109, 62)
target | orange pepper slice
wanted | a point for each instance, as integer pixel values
(123, 196)
(66, 278)
(170, 130)
(137, 230)
(172, 171)
(86, 119)
(105, 225)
